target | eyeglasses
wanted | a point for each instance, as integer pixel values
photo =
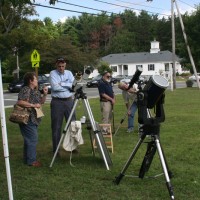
(108, 76)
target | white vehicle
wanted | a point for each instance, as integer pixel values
(128, 79)
(193, 77)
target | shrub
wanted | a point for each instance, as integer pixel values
(189, 83)
(7, 78)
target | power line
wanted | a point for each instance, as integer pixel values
(127, 7)
(85, 7)
(138, 4)
(104, 10)
(63, 9)
(104, 2)
(187, 4)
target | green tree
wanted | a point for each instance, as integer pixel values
(144, 34)
(71, 28)
(12, 12)
(62, 47)
(103, 67)
(122, 42)
(163, 33)
(192, 29)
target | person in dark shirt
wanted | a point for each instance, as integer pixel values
(107, 99)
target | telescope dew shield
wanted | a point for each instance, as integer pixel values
(155, 87)
(135, 77)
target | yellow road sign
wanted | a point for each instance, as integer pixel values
(35, 64)
(35, 56)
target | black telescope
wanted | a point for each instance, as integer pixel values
(154, 89)
(135, 77)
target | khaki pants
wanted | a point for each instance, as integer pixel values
(106, 110)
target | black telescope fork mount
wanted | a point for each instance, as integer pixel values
(151, 127)
(79, 94)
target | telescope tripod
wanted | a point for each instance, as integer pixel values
(79, 94)
(153, 131)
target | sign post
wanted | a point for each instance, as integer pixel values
(35, 59)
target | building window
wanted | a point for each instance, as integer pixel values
(125, 67)
(151, 67)
(139, 66)
(114, 68)
(167, 67)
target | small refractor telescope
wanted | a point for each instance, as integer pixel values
(80, 79)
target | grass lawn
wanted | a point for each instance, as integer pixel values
(89, 179)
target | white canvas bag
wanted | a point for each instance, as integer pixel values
(73, 137)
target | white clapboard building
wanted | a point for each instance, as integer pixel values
(153, 62)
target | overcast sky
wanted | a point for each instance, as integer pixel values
(75, 8)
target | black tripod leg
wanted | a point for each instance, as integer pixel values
(91, 139)
(122, 173)
(151, 150)
(64, 131)
(165, 170)
(89, 126)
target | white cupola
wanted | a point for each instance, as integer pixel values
(154, 47)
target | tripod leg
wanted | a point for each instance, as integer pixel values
(93, 151)
(64, 131)
(151, 150)
(121, 175)
(113, 118)
(169, 172)
(122, 120)
(162, 160)
(88, 126)
(98, 136)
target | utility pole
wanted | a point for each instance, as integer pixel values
(15, 49)
(187, 45)
(173, 80)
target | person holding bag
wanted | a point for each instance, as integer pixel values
(29, 97)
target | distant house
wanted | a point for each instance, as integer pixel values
(153, 62)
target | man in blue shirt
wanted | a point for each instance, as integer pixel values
(107, 99)
(61, 104)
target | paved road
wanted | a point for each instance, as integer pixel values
(11, 98)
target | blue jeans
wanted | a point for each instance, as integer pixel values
(132, 114)
(30, 134)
